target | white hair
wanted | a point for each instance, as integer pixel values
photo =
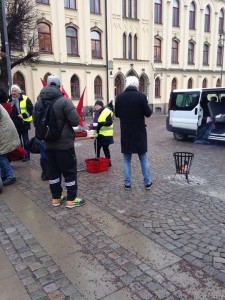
(132, 81)
(16, 87)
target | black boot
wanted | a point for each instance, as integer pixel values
(44, 167)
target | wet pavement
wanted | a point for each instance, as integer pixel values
(164, 243)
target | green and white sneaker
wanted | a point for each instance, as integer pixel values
(76, 202)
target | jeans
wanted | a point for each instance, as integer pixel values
(24, 139)
(145, 168)
(5, 168)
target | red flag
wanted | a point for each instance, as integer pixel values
(65, 93)
(43, 82)
(80, 108)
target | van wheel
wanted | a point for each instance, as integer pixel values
(179, 136)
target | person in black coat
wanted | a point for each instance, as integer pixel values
(131, 107)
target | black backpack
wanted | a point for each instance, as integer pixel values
(45, 121)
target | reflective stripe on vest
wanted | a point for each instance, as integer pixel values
(105, 130)
(23, 108)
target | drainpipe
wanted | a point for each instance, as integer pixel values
(106, 54)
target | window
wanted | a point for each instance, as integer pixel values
(46, 77)
(71, 41)
(173, 84)
(204, 83)
(158, 11)
(157, 50)
(190, 53)
(175, 13)
(42, 1)
(124, 46)
(205, 54)
(130, 46)
(157, 88)
(190, 83)
(129, 9)
(219, 56)
(44, 37)
(75, 87)
(135, 9)
(218, 83)
(207, 19)
(221, 22)
(185, 100)
(142, 85)
(95, 6)
(19, 80)
(98, 88)
(192, 16)
(70, 4)
(174, 54)
(124, 8)
(118, 85)
(96, 44)
(135, 46)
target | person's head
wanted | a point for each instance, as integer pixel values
(98, 104)
(53, 80)
(132, 81)
(15, 90)
(3, 96)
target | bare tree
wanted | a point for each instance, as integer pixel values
(22, 36)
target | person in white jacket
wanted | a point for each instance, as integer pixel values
(9, 141)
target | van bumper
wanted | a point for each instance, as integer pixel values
(168, 126)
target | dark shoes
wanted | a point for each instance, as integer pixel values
(127, 187)
(25, 159)
(9, 181)
(148, 186)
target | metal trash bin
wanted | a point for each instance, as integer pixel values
(183, 161)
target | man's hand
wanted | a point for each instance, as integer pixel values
(20, 116)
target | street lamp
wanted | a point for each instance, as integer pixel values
(221, 42)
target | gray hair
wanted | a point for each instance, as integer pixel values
(132, 81)
(16, 87)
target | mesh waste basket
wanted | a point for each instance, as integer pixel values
(183, 161)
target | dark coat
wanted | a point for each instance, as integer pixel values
(131, 107)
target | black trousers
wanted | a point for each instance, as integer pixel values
(24, 140)
(62, 163)
(98, 147)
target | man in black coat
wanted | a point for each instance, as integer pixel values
(131, 107)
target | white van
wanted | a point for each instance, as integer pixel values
(190, 108)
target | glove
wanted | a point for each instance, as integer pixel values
(100, 124)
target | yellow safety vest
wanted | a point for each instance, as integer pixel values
(105, 130)
(23, 108)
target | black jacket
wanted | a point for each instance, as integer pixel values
(131, 107)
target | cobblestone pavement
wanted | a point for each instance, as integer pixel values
(164, 243)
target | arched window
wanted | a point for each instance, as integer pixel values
(98, 88)
(96, 44)
(192, 16)
(205, 54)
(44, 37)
(135, 46)
(124, 46)
(190, 83)
(174, 84)
(218, 83)
(46, 77)
(95, 6)
(157, 88)
(158, 11)
(142, 85)
(204, 83)
(207, 19)
(175, 19)
(71, 41)
(130, 46)
(190, 53)
(157, 50)
(219, 55)
(174, 53)
(75, 87)
(118, 85)
(221, 22)
(19, 80)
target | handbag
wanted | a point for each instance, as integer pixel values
(16, 154)
(34, 146)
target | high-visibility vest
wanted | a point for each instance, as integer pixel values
(23, 108)
(105, 130)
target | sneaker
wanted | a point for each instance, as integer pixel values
(9, 181)
(75, 202)
(148, 186)
(57, 202)
(127, 187)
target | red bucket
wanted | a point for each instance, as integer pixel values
(95, 165)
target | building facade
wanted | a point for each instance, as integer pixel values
(95, 44)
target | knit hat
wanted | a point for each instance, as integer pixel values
(53, 80)
(99, 102)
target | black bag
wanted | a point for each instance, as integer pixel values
(33, 146)
(45, 121)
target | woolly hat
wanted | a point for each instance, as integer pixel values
(99, 102)
(53, 80)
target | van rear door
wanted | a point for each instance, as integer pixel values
(184, 110)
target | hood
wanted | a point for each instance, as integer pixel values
(50, 93)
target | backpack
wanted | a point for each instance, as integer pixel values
(45, 121)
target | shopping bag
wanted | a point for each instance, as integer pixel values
(16, 154)
(34, 146)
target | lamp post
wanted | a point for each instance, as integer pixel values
(221, 42)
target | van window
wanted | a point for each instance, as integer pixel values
(184, 100)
